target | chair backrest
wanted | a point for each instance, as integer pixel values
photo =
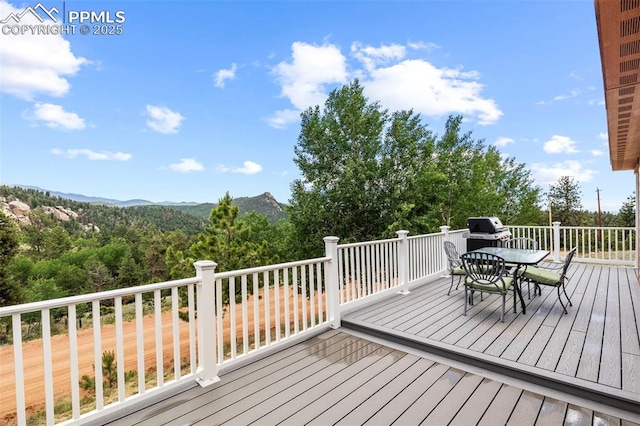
(567, 261)
(452, 254)
(484, 269)
(522, 243)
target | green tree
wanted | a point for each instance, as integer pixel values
(100, 278)
(56, 242)
(359, 164)
(627, 214)
(566, 201)
(225, 240)
(10, 293)
(129, 272)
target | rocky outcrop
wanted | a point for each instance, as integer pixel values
(19, 211)
(270, 199)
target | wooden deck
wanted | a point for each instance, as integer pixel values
(339, 378)
(593, 349)
(414, 359)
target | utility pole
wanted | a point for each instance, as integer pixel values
(549, 201)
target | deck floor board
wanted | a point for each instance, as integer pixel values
(340, 378)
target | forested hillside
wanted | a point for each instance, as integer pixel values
(107, 217)
(53, 247)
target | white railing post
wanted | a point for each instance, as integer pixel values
(207, 364)
(556, 242)
(332, 280)
(403, 262)
(445, 261)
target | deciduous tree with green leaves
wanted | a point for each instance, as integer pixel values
(360, 169)
(367, 173)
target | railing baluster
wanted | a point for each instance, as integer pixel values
(233, 332)
(140, 343)
(296, 310)
(175, 307)
(73, 363)
(276, 295)
(320, 292)
(287, 303)
(157, 307)
(303, 285)
(192, 328)
(245, 314)
(267, 309)
(119, 349)
(256, 311)
(45, 320)
(18, 362)
(219, 320)
(97, 353)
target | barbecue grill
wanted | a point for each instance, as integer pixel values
(485, 232)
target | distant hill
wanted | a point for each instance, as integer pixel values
(264, 204)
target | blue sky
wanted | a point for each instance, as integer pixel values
(194, 99)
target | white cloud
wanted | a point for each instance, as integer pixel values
(371, 57)
(92, 155)
(35, 64)
(432, 91)
(545, 174)
(55, 117)
(225, 74)
(163, 120)
(280, 119)
(187, 165)
(603, 136)
(597, 152)
(248, 168)
(560, 145)
(420, 45)
(502, 141)
(572, 94)
(303, 80)
(387, 75)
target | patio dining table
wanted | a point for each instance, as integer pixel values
(520, 258)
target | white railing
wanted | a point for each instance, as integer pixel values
(160, 335)
(167, 333)
(607, 245)
(94, 325)
(365, 269)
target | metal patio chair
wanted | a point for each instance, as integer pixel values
(523, 243)
(486, 273)
(455, 265)
(553, 277)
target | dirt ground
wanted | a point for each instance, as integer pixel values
(33, 358)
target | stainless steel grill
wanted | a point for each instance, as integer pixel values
(485, 232)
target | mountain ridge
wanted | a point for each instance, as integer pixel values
(264, 203)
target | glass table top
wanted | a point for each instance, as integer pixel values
(513, 255)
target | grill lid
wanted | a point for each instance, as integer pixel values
(485, 225)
